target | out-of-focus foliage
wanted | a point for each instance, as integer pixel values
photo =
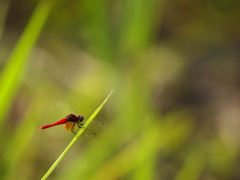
(174, 69)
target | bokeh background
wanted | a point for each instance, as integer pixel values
(173, 66)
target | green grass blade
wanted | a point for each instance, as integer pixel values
(11, 73)
(75, 138)
(21, 139)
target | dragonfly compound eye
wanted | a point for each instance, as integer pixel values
(80, 118)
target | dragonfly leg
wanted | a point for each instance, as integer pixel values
(80, 124)
(73, 131)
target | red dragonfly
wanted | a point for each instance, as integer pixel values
(69, 122)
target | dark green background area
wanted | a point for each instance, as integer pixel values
(174, 68)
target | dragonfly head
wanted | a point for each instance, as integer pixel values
(80, 118)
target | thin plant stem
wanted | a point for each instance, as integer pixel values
(75, 138)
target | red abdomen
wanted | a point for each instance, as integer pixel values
(62, 121)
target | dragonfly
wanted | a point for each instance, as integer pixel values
(70, 121)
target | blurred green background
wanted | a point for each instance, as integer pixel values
(173, 66)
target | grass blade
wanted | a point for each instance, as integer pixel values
(75, 138)
(11, 73)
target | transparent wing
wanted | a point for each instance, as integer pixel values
(96, 125)
(93, 129)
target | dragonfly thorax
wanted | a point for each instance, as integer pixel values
(74, 118)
